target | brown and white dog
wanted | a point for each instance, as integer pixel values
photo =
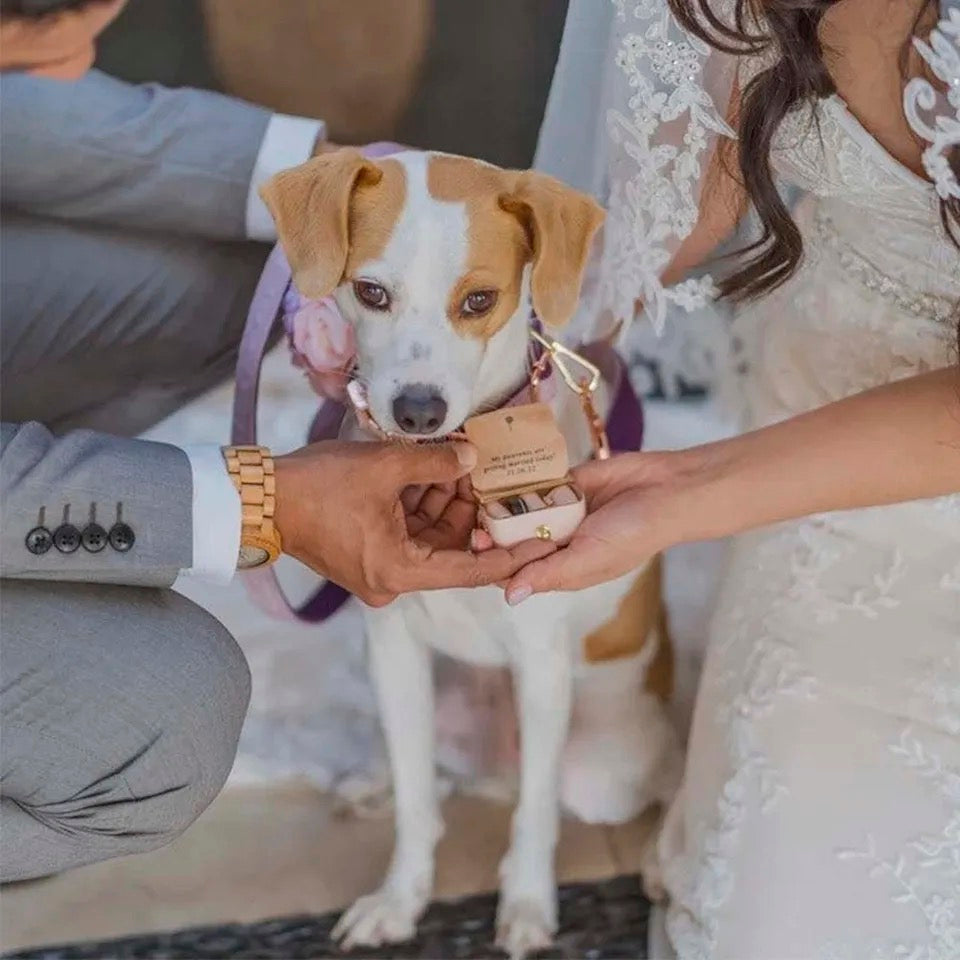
(436, 260)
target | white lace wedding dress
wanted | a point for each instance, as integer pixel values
(820, 815)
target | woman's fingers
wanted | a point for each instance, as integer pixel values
(480, 540)
(582, 564)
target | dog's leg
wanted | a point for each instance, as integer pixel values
(400, 667)
(527, 917)
(621, 743)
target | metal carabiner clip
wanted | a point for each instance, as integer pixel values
(557, 352)
(584, 387)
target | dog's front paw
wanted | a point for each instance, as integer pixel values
(381, 917)
(523, 926)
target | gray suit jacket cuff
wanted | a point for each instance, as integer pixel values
(89, 506)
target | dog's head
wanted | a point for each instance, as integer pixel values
(435, 260)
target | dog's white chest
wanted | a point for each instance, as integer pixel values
(475, 626)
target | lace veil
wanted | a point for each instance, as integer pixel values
(634, 114)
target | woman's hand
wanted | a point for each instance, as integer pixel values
(628, 521)
(894, 443)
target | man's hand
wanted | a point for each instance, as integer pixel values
(347, 511)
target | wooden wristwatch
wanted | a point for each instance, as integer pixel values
(251, 470)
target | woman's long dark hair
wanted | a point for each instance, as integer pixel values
(799, 74)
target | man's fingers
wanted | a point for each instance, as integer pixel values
(465, 489)
(432, 504)
(428, 463)
(453, 528)
(410, 497)
(438, 569)
(377, 598)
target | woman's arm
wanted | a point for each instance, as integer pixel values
(894, 443)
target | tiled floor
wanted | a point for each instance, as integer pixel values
(268, 851)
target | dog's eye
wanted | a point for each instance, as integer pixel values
(371, 294)
(478, 303)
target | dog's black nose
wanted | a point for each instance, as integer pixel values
(419, 408)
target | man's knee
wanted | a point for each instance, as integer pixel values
(187, 765)
(116, 735)
(203, 734)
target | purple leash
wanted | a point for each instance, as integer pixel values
(265, 311)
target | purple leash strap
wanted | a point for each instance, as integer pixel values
(265, 310)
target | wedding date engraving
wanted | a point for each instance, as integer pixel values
(519, 463)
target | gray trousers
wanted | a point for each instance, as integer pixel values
(120, 707)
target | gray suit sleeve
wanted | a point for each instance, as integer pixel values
(88, 474)
(114, 153)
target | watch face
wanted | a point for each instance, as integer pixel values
(251, 556)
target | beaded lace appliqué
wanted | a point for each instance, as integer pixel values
(905, 297)
(936, 116)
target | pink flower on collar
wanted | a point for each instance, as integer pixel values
(321, 341)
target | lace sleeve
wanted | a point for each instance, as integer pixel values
(666, 103)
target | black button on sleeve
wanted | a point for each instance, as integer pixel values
(93, 538)
(66, 538)
(39, 540)
(122, 537)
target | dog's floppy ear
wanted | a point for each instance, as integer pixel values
(561, 223)
(310, 205)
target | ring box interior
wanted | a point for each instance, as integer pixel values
(520, 450)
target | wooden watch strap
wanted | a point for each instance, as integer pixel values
(252, 471)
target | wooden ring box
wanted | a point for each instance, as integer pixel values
(521, 451)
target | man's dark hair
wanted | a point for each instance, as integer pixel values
(39, 8)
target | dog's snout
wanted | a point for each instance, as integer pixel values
(419, 408)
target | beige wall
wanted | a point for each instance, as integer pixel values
(353, 62)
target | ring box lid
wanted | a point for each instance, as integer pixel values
(518, 448)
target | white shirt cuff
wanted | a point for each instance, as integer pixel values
(286, 142)
(216, 516)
